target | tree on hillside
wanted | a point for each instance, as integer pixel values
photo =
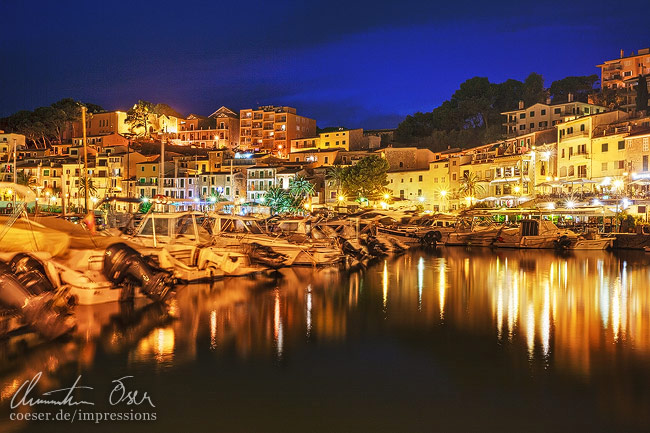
(166, 110)
(642, 94)
(580, 87)
(533, 90)
(138, 116)
(367, 178)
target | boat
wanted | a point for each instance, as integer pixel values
(473, 233)
(180, 243)
(535, 234)
(245, 233)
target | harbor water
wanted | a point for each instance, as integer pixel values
(450, 339)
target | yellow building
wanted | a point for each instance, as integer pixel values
(622, 74)
(428, 187)
(271, 129)
(539, 117)
(580, 157)
(347, 139)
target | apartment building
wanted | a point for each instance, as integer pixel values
(258, 180)
(576, 152)
(223, 132)
(340, 138)
(540, 116)
(637, 146)
(622, 75)
(429, 187)
(271, 129)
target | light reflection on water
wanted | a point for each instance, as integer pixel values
(576, 320)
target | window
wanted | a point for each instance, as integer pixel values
(562, 153)
(522, 127)
(522, 116)
(532, 125)
(621, 164)
(645, 165)
(571, 171)
(582, 127)
(420, 178)
(453, 176)
(604, 147)
(557, 111)
(532, 114)
(621, 145)
(645, 144)
(582, 171)
(562, 171)
(604, 166)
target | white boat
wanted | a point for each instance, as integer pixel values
(250, 235)
(180, 243)
(473, 233)
(535, 234)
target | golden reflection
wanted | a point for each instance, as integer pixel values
(420, 281)
(213, 329)
(309, 309)
(384, 282)
(158, 345)
(442, 282)
(278, 334)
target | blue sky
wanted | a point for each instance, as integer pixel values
(351, 63)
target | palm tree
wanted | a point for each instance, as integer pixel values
(300, 191)
(22, 178)
(82, 186)
(337, 173)
(276, 199)
(470, 186)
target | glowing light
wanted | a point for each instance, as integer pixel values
(341, 198)
(306, 206)
(145, 200)
(384, 281)
(278, 332)
(421, 198)
(443, 193)
(213, 199)
(597, 202)
(546, 155)
(517, 189)
(420, 281)
(386, 196)
(213, 329)
(548, 178)
(570, 204)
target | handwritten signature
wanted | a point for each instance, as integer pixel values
(24, 395)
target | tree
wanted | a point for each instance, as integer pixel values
(277, 200)
(336, 174)
(469, 185)
(138, 116)
(367, 178)
(642, 94)
(580, 87)
(22, 178)
(533, 91)
(92, 190)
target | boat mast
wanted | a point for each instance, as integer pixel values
(161, 173)
(83, 126)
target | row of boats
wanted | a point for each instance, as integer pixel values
(49, 264)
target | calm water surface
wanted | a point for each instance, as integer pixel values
(446, 340)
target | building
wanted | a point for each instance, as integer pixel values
(622, 75)
(271, 129)
(218, 131)
(581, 150)
(539, 117)
(259, 179)
(428, 187)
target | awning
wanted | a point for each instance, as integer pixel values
(578, 181)
(510, 180)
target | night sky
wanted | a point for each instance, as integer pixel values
(349, 63)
